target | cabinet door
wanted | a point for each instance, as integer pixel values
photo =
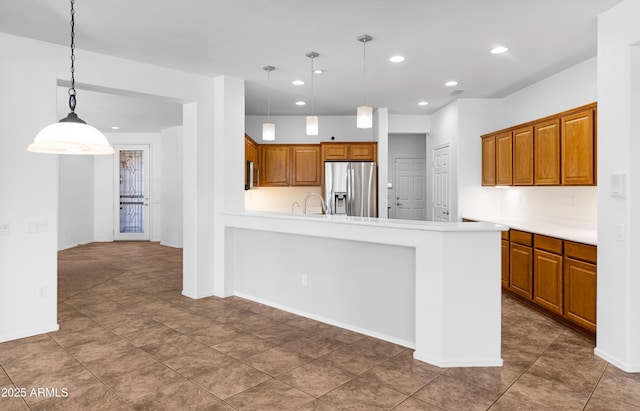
(489, 161)
(580, 280)
(335, 151)
(306, 165)
(504, 159)
(523, 156)
(505, 263)
(362, 152)
(547, 153)
(547, 280)
(577, 151)
(275, 165)
(520, 262)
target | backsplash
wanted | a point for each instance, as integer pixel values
(567, 203)
(280, 199)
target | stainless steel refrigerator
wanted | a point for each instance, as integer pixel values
(351, 188)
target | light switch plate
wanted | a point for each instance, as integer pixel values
(618, 182)
(4, 229)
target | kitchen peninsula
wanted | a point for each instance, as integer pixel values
(434, 287)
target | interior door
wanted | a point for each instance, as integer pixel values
(441, 184)
(410, 182)
(131, 173)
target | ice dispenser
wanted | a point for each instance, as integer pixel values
(339, 203)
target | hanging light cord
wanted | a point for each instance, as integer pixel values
(268, 95)
(312, 97)
(364, 71)
(72, 90)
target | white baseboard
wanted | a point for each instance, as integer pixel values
(28, 333)
(198, 296)
(623, 366)
(460, 363)
(169, 244)
(329, 321)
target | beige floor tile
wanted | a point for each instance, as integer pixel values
(96, 397)
(35, 365)
(230, 380)
(244, 347)
(597, 403)
(316, 378)
(619, 385)
(414, 404)
(317, 405)
(120, 363)
(276, 361)
(99, 349)
(450, 393)
(216, 334)
(281, 333)
(144, 381)
(314, 346)
(182, 396)
(529, 387)
(69, 379)
(403, 374)
(270, 395)
(198, 362)
(361, 394)
(171, 347)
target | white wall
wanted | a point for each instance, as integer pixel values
(409, 123)
(292, 129)
(75, 200)
(171, 187)
(29, 186)
(618, 337)
(29, 73)
(105, 192)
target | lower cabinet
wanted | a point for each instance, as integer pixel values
(557, 275)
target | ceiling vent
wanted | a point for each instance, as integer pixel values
(456, 92)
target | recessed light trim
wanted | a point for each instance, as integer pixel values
(319, 71)
(451, 83)
(423, 103)
(499, 50)
(396, 59)
(115, 128)
(297, 82)
(301, 103)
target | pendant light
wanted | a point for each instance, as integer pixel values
(312, 120)
(364, 116)
(71, 135)
(268, 128)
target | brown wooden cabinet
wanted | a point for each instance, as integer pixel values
(523, 156)
(580, 283)
(504, 159)
(489, 160)
(275, 165)
(306, 165)
(555, 150)
(359, 151)
(251, 154)
(505, 259)
(521, 264)
(578, 148)
(547, 152)
(547, 273)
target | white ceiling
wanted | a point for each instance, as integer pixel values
(441, 40)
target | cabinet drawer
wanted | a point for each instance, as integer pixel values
(520, 237)
(553, 245)
(580, 251)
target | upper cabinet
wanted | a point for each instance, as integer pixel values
(306, 165)
(556, 150)
(547, 152)
(504, 159)
(356, 151)
(523, 156)
(275, 165)
(489, 160)
(578, 148)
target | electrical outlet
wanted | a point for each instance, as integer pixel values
(303, 279)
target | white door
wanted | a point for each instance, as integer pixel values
(441, 184)
(411, 200)
(131, 183)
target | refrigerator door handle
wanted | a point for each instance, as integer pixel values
(349, 189)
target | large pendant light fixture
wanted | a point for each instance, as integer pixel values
(268, 128)
(71, 135)
(364, 117)
(312, 120)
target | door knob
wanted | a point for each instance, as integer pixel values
(398, 204)
(445, 212)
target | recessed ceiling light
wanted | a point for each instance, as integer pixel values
(297, 82)
(396, 59)
(115, 128)
(300, 103)
(451, 83)
(499, 50)
(423, 103)
(319, 71)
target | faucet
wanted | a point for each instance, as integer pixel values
(309, 195)
(293, 206)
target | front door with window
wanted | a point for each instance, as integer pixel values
(131, 219)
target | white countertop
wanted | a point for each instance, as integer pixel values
(580, 232)
(482, 225)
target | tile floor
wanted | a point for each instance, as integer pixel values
(129, 340)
